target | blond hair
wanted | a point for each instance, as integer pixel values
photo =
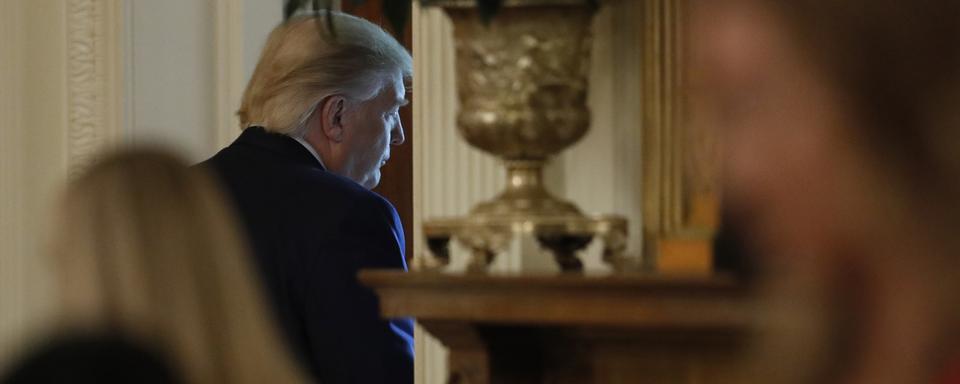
(147, 246)
(302, 63)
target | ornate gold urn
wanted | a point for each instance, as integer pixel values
(522, 85)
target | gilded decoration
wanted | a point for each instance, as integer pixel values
(522, 86)
(522, 81)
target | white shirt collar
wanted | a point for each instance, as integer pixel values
(312, 151)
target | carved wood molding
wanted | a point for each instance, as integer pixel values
(93, 79)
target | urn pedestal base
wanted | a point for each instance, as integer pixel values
(525, 207)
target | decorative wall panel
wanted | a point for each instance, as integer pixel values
(94, 79)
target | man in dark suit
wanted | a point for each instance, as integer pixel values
(321, 112)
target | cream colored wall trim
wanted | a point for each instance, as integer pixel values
(455, 175)
(94, 79)
(11, 198)
(447, 176)
(229, 68)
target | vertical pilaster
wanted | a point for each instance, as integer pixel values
(228, 41)
(94, 70)
(663, 137)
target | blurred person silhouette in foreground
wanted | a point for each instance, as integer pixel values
(101, 357)
(146, 248)
(840, 123)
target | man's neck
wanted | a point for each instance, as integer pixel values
(310, 149)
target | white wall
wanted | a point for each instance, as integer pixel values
(170, 75)
(259, 18)
(174, 71)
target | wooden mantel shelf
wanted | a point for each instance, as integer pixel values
(634, 300)
(575, 328)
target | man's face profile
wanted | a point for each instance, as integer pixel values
(369, 129)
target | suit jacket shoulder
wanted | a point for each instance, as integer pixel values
(311, 232)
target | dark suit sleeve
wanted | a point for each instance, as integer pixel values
(340, 312)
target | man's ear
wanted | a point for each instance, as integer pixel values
(331, 117)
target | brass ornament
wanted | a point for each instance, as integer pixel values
(522, 85)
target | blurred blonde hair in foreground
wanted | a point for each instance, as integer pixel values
(149, 247)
